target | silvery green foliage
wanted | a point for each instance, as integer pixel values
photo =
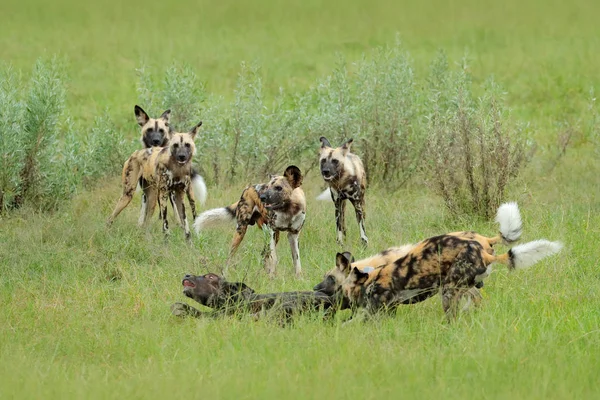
(474, 149)
(11, 151)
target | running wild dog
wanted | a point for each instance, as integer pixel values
(345, 175)
(276, 206)
(162, 173)
(157, 133)
(458, 262)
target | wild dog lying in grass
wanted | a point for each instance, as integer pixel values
(276, 206)
(157, 133)
(162, 173)
(508, 218)
(345, 175)
(227, 298)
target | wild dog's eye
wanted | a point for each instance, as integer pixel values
(330, 279)
(278, 188)
(175, 145)
(336, 162)
(161, 131)
(322, 161)
(187, 145)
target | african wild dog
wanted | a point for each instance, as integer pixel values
(227, 298)
(345, 175)
(276, 206)
(157, 133)
(445, 263)
(510, 230)
(162, 173)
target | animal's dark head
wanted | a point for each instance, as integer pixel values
(155, 132)
(351, 287)
(334, 278)
(182, 146)
(333, 160)
(212, 290)
(277, 193)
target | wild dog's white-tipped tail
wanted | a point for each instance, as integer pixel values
(525, 255)
(213, 217)
(509, 219)
(199, 188)
(325, 196)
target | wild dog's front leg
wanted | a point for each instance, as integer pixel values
(359, 207)
(270, 253)
(340, 216)
(185, 310)
(192, 200)
(164, 200)
(180, 206)
(293, 239)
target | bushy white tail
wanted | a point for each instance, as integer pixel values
(199, 188)
(509, 219)
(213, 217)
(325, 196)
(525, 255)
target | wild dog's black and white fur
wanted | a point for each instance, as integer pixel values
(345, 175)
(157, 133)
(277, 206)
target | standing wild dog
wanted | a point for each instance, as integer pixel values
(157, 133)
(162, 173)
(345, 175)
(510, 229)
(276, 206)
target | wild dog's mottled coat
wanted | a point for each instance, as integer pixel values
(157, 133)
(276, 206)
(163, 173)
(447, 263)
(345, 175)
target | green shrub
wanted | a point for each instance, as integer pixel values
(474, 147)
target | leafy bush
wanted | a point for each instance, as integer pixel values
(44, 157)
(474, 148)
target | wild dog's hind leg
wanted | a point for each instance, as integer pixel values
(180, 206)
(359, 208)
(240, 232)
(270, 253)
(340, 216)
(293, 239)
(130, 177)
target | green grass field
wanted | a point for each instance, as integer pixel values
(85, 310)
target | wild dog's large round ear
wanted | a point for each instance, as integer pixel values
(166, 115)
(343, 260)
(358, 275)
(194, 130)
(346, 146)
(140, 115)
(324, 142)
(293, 175)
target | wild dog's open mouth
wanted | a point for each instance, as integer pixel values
(181, 162)
(328, 177)
(188, 283)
